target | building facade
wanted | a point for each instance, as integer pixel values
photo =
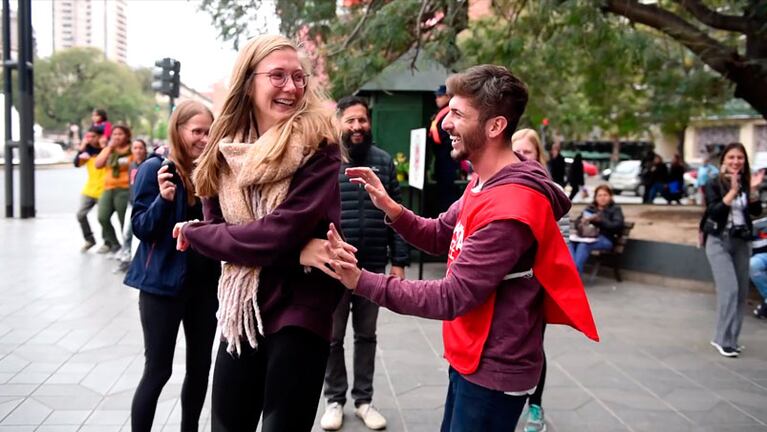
(102, 24)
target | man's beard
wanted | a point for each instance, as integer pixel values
(472, 142)
(357, 152)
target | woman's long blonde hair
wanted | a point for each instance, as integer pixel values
(179, 153)
(532, 135)
(312, 120)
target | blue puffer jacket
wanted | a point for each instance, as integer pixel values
(158, 267)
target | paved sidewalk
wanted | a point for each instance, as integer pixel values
(71, 353)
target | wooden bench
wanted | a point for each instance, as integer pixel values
(613, 256)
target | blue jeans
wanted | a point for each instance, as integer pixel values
(581, 251)
(758, 272)
(470, 407)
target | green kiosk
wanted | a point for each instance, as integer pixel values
(402, 98)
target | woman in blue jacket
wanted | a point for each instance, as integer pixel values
(176, 287)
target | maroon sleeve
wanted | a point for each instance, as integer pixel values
(487, 256)
(430, 235)
(211, 210)
(266, 241)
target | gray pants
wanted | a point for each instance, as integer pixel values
(364, 320)
(86, 204)
(729, 258)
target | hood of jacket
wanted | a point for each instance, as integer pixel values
(531, 174)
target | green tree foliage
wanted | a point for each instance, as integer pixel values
(587, 69)
(71, 83)
(643, 55)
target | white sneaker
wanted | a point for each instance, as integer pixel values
(370, 416)
(333, 418)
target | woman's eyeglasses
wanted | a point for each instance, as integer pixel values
(279, 78)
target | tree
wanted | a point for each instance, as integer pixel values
(71, 83)
(715, 35)
(729, 37)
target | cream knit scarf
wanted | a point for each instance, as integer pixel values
(250, 190)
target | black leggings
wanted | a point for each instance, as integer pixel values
(282, 378)
(160, 319)
(537, 396)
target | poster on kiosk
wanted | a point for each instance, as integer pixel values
(417, 170)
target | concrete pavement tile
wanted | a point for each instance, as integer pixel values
(43, 366)
(602, 377)
(67, 417)
(114, 352)
(731, 428)
(75, 339)
(632, 399)
(67, 396)
(26, 377)
(593, 412)
(18, 336)
(108, 417)
(423, 397)
(13, 363)
(654, 420)
(589, 417)
(692, 399)
(100, 428)
(58, 428)
(9, 404)
(17, 428)
(17, 389)
(5, 376)
(116, 401)
(29, 412)
(721, 414)
(566, 398)
(105, 375)
(43, 352)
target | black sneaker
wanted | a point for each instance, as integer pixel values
(725, 351)
(761, 311)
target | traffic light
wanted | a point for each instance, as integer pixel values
(166, 78)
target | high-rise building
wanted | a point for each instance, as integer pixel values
(98, 23)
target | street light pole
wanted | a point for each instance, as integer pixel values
(26, 111)
(8, 66)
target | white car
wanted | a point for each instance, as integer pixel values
(625, 177)
(46, 153)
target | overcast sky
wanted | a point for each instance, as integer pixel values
(162, 28)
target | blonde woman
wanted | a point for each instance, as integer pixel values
(175, 287)
(270, 180)
(527, 143)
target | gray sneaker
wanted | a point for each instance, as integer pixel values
(88, 244)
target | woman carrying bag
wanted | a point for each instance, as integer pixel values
(597, 227)
(731, 200)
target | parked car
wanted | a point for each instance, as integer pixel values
(625, 177)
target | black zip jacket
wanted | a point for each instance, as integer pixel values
(363, 224)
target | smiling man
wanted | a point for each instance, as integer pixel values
(508, 269)
(377, 244)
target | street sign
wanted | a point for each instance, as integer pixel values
(417, 158)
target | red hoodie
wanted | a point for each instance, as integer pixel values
(512, 354)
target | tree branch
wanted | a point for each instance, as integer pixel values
(715, 19)
(354, 32)
(718, 56)
(424, 5)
